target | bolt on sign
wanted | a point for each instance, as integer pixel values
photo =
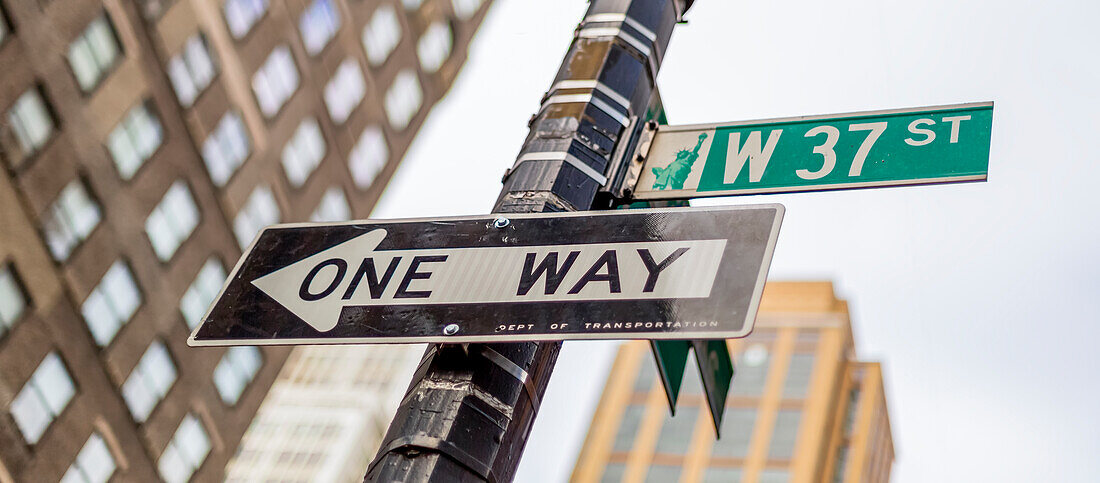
(667, 273)
(943, 144)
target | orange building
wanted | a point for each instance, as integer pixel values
(801, 407)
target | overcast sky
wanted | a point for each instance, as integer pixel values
(981, 300)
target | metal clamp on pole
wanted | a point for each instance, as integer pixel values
(472, 419)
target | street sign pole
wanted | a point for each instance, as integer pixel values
(469, 409)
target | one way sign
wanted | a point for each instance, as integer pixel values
(690, 273)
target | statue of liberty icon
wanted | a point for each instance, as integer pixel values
(674, 175)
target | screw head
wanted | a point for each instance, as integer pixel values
(450, 329)
(501, 222)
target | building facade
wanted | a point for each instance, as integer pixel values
(326, 414)
(801, 407)
(143, 143)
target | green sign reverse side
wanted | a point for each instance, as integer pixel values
(882, 148)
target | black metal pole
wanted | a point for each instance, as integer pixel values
(469, 409)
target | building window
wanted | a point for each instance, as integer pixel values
(736, 433)
(185, 452)
(784, 434)
(12, 300)
(275, 81)
(149, 382)
(628, 428)
(318, 25)
(94, 463)
(134, 140)
(647, 375)
(333, 207)
(30, 123)
(675, 437)
(304, 152)
(403, 99)
(94, 53)
(172, 221)
(774, 476)
(368, 157)
(662, 473)
(797, 382)
(226, 148)
(464, 9)
(111, 303)
(202, 291)
(43, 398)
(235, 371)
(70, 220)
(715, 474)
(613, 473)
(258, 211)
(241, 15)
(752, 370)
(434, 46)
(344, 91)
(191, 70)
(381, 34)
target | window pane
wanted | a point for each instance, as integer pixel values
(172, 220)
(318, 25)
(662, 474)
(797, 381)
(784, 434)
(53, 383)
(344, 91)
(751, 371)
(303, 153)
(736, 433)
(12, 302)
(275, 81)
(368, 157)
(333, 207)
(191, 70)
(722, 475)
(202, 291)
(675, 436)
(465, 9)
(172, 467)
(30, 414)
(613, 473)
(241, 15)
(30, 124)
(134, 140)
(139, 398)
(93, 53)
(259, 211)
(191, 441)
(774, 476)
(42, 398)
(225, 148)
(228, 382)
(403, 99)
(381, 34)
(94, 463)
(70, 220)
(647, 375)
(628, 428)
(434, 46)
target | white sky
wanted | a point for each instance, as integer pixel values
(980, 299)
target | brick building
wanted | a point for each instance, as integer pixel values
(143, 143)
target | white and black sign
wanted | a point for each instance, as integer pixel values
(672, 273)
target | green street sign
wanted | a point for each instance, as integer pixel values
(716, 370)
(944, 144)
(671, 357)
